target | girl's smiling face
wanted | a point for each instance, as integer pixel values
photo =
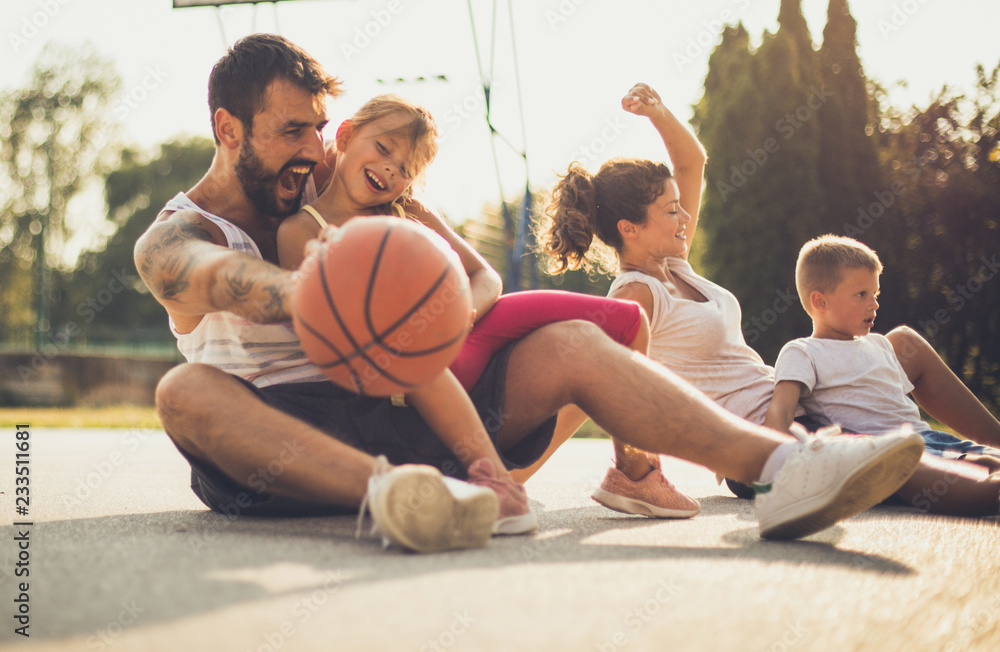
(376, 162)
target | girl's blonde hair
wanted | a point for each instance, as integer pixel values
(420, 131)
(584, 205)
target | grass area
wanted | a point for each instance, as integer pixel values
(119, 416)
(133, 416)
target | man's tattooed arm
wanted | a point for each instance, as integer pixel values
(189, 273)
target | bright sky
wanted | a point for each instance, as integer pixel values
(576, 60)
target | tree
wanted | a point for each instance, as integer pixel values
(103, 296)
(758, 122)
(940, 237)
(56, 137)
(848, 166)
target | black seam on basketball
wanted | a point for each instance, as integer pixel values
(371, 282)
(433, 349)
(359, 351)
(309, 327)
(380, 338)
(331, 304)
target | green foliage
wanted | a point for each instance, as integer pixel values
(54, 140)
(848, 165)
(758, 121)
(939, 235)
(54, 137)
(922, 188)
(104, 295)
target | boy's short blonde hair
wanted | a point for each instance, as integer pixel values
(822, 262)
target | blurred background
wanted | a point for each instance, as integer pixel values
(876, 120)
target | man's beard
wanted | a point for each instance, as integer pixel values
(260, 186)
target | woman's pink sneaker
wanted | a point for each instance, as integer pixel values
(651, 496)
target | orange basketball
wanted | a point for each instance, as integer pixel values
(384, 306)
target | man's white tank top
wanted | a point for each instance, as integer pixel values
(264, 354)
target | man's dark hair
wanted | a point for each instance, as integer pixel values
(240, 78)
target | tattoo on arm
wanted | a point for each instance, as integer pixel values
(238, 285)
(162, 261)
(246, 285)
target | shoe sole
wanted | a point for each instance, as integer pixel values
(514, 525)
(637, 507)
(866, 487)
(417, 511)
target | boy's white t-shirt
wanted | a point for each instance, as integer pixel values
(857, 384)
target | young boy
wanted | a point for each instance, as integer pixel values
(843, 374)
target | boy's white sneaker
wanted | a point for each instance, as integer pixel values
(830, 477)
(415, 507)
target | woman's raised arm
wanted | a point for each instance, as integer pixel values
(687, 156)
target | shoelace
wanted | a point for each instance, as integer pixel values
(379, 469)
(660, 478)
(814, 441)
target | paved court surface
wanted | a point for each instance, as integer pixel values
(123, 557)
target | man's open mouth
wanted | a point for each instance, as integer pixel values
(292, 178)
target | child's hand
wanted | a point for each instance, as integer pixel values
(641, 100)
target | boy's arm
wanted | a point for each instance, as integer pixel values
(449, 411)
(188, 270)
(781, 412)
(485, 281)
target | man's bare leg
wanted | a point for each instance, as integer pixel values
(630, 461)
(939, 391)
(215, 418)
(634, 399)
(806, 487)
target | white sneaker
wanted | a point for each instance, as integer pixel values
(830, 477)
(417, 508)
